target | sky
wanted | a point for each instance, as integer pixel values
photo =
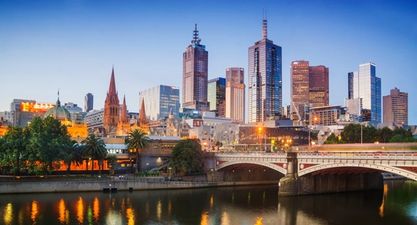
(71, 45)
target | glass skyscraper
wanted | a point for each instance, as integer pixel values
(160, 101)
(367, 86)
(265, 79)
(217, 95)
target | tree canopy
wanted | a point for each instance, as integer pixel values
(187, 157)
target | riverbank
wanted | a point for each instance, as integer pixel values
(54, 186)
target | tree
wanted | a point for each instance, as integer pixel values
(384, 134)
(14, 149)
(137, 141)
(187, 157)
(112, 160)
(95, 148)
(332, 139)
(48, 139)
(73, 154)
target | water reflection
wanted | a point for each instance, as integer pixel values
(96, 209)
(80, 210)
(8, 214)
(34, 211)
(130, 216)
(223, 206)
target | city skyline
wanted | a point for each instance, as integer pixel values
(38, 45)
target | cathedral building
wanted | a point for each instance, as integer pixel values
(111, 108)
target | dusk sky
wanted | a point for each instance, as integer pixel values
(72, 45)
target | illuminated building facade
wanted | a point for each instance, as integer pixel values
(265, 79)
(111, 107)
(195, 73)
(235, 94)
(23, 111)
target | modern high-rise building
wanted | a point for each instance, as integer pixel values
(88, 102)
(300, 87)
(367, 86)
(216, 95)
(396, 108)
(111, 107)
(319, 86)
(160, 100)
(350, 85)
(309, 88)
(235, 94)
(265, 79)
(195, 72)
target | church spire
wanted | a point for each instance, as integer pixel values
(112, 86)
(142, 114)
(123, 112)
(58, 103)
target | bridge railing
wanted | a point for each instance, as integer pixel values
(360, 155)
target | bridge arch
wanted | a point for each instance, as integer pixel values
(265, 164)
(382, 168)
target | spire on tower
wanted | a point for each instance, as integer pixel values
(112, 87)
(58, 103)
(264, 28)
(196, 39)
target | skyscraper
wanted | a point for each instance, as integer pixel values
(195, 70)
(216, 92)
(235, 94)
(350, 85)
(396, 108)
(265, 79)
(367, 86)
(88, 102)
(318, 86)
(309, 88)
(159, 101)
(111, 107)
(300, 87)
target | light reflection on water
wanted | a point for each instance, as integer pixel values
(396, 204)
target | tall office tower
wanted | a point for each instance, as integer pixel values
(265, 79)
(195, 70)
(88, 102)
(235, 94)
(111, 107)
(160, 100)
(350, 85)
(309, 88)
(396, 108)
(216, 95)
(319, 86)
(300, 88)
(367, 85)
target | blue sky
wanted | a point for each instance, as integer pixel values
(72, 45)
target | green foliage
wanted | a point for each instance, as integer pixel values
(187, 157)
(14, 150)
(352, 134)
(136, 141)
(95, 149)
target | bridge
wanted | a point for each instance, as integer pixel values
(329, 168)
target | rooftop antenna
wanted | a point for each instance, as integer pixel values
(264, 26)
(196, 39)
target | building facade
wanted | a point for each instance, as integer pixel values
(88, 102)
(216, 95)
(195, 72)
(111, 107)
(265, 79)
(396, 108)
(235, 94)
(160, 101)
(326, 115)
(367, 86)
(309, 88)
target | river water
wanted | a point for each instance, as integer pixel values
(256, 205)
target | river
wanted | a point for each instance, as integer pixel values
(255, 205)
